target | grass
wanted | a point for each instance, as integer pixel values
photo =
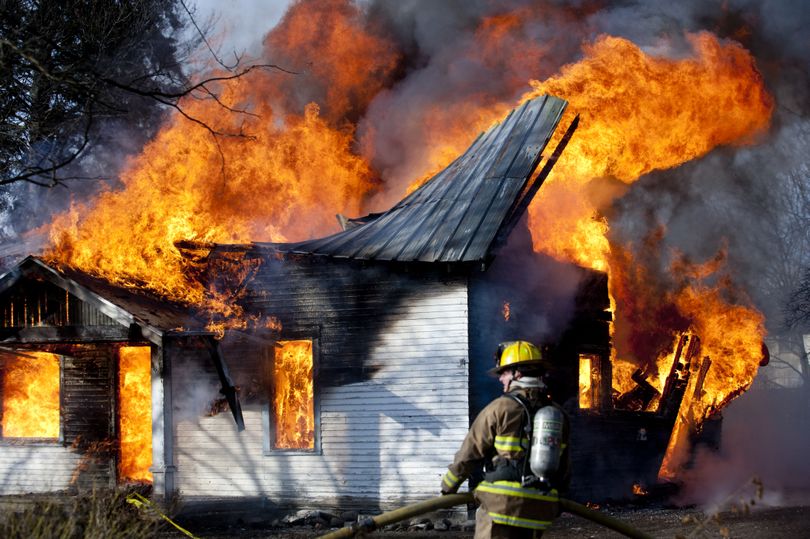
(93, 515)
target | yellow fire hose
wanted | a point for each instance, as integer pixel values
(450, 500)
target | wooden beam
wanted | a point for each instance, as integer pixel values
(48, 334)
(228, 389)
(106, 307)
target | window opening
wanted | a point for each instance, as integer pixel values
(293, 396)
(590, 378)
(30, 395)
(135, 413)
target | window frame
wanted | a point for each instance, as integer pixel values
(37, 441)
(602, 402)
(268, 423)
(116, 419)
(594, 389)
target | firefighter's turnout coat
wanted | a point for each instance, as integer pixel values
(497, 439)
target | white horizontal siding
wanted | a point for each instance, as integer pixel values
(36, 468)
(386, 440)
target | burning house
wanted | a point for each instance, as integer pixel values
(80, 380)
(357, 393)
(357, 362)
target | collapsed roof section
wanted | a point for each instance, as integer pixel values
(42, 304)
(465, 211)
(67, 297)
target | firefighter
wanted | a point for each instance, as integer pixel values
(514, 503)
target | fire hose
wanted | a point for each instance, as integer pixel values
(450, 500)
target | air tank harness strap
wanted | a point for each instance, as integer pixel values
(527, 478)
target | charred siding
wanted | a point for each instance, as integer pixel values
(88, 404)
(349, 305)
(88, 394)
(613, 451)
(390, 386)
(85, 454)
(554, 304)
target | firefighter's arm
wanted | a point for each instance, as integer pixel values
(477, 446)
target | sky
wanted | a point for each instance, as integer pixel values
(242, 22)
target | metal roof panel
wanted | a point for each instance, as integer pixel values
(456, 215)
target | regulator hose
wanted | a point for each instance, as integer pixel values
(450, 500)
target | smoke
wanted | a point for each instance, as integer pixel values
(192, 400)
(27, 209)
(460, 58)
(239, 30)
(764, 438)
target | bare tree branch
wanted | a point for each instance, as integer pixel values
(63, 77)
(202, 36)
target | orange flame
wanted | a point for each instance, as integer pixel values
(135, 413)
(343, 62)
(31, 395)
(639, 114)
(177, 190)
(585, 382)
(731, 338)
(294, 405)
(285, 179)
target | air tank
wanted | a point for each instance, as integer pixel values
(547, 439)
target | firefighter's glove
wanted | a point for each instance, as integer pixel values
(447, 490)
(450, 483)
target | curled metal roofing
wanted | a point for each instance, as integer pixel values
(461, 212)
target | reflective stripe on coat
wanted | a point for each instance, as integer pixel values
(508, 503)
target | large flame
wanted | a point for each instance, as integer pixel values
(639, 113)
(135, 413)
(178, 189)
(284, 179)
(731, 345)
(293, 399)
(699, 299)
(30, 395)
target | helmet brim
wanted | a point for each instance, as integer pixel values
(496, 371)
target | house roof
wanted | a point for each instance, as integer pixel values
(102, 303)
(154, 316)
(464, 211)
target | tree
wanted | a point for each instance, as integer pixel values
(797, 318)
(787, 276)
(69, 67)
(798, 313)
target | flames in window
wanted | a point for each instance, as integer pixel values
(293, 402)
(30, 395)
(135, 413)
(589, 380)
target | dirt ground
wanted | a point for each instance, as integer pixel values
(760, 522)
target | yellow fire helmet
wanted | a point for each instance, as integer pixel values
(516, 354)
